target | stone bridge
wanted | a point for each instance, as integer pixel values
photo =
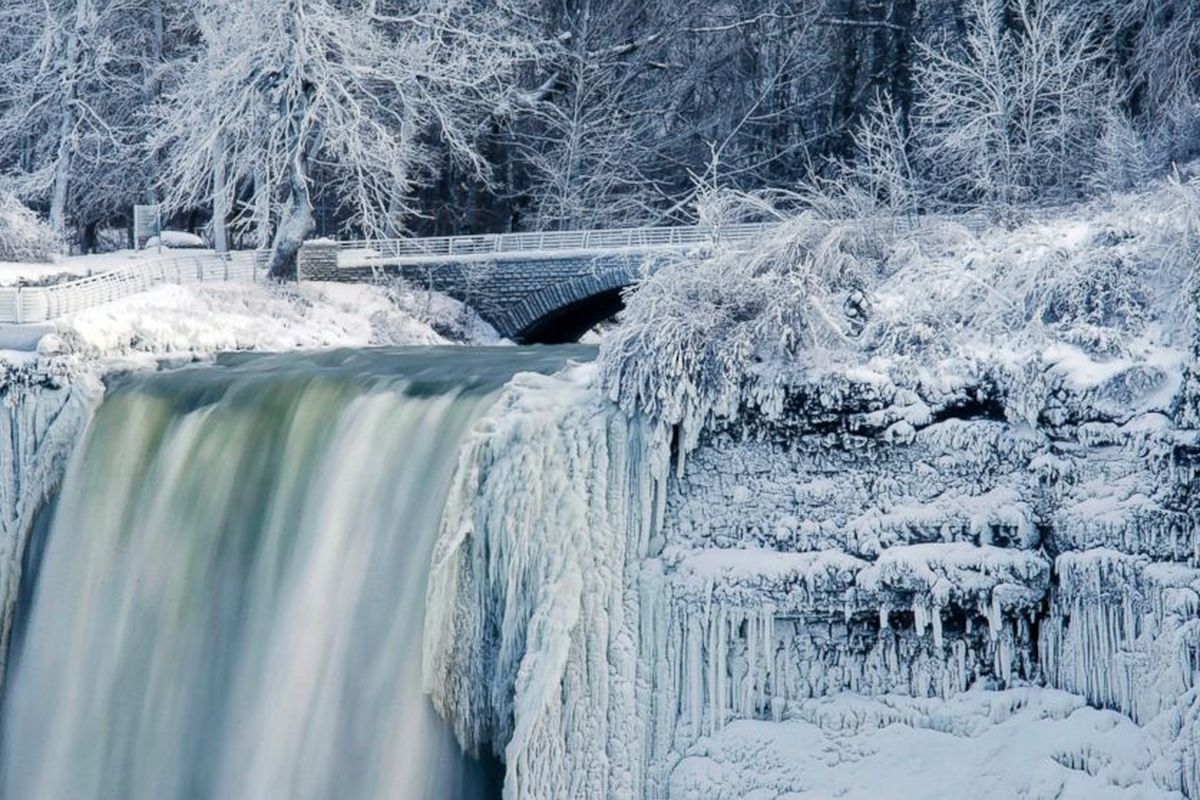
(532, 287)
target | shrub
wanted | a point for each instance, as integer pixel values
(23, 236)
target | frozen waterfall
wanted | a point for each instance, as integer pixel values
(230, 600)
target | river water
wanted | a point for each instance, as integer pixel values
(228, 599)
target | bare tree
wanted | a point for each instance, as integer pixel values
(289, 92)
(1011, 115)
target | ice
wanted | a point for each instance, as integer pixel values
(1017, 743)
(41, 419)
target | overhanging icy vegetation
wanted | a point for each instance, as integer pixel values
(905, 468)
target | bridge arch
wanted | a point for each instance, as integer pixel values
(562, 312)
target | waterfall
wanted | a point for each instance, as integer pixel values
(230, 600)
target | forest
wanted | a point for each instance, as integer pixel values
(260, 123)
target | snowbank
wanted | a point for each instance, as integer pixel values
(1035, 743)
(200, 319)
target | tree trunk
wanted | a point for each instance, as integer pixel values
(66, 126)
(151, 88)
(262, 209)
(220, 200)
(62, 171)
(904, 16)
(89, 240)
(296, 225)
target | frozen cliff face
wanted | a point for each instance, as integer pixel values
(45, 408)
(1036, 528)
(891, 539)
(534, 612)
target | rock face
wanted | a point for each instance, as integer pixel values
(931, 544)
(42, 417)
(889, 533)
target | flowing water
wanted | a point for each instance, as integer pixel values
(229, 599)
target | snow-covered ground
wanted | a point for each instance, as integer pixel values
(1017, 743)
(208, 318)
(13, 272)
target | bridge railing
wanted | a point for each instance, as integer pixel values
(448, 247)
(443, 248)
(23, 304)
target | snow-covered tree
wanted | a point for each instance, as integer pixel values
(590, 142)
(344, 97)
(69, 97)
(885, 165)
(1011, 113)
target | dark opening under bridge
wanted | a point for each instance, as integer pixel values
(547, 287)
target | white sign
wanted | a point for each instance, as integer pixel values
(147, 222)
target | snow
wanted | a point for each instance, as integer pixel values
(174, 239)
(12, 273)
(208, 318)
(987, 745)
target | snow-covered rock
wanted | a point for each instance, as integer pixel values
(902, 573)
(176, 240)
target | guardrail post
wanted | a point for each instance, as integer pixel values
(18, 312)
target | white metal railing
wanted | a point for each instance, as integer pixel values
(22, 304)
(454, 247)
(42, 303)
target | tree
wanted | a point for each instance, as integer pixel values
(69, 105)
(1012, 114)
(347, 97)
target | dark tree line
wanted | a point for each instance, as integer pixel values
(269, 120)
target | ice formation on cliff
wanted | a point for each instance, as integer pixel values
(533, 608)
(44, 411)
(984, 507)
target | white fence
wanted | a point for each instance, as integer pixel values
(453, 247)
(41, 303)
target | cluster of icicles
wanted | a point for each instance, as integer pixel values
(599, 667)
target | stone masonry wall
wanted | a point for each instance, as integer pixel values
(509, 293)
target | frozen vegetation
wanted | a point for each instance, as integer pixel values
(889, 505)
(875, 514)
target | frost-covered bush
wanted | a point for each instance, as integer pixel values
(698, 328)
(450, 318)
(727, 328)
(23, 236)
(1124, 159)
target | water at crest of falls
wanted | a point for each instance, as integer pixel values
(230, 599)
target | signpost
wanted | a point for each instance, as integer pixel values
(147, 222)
